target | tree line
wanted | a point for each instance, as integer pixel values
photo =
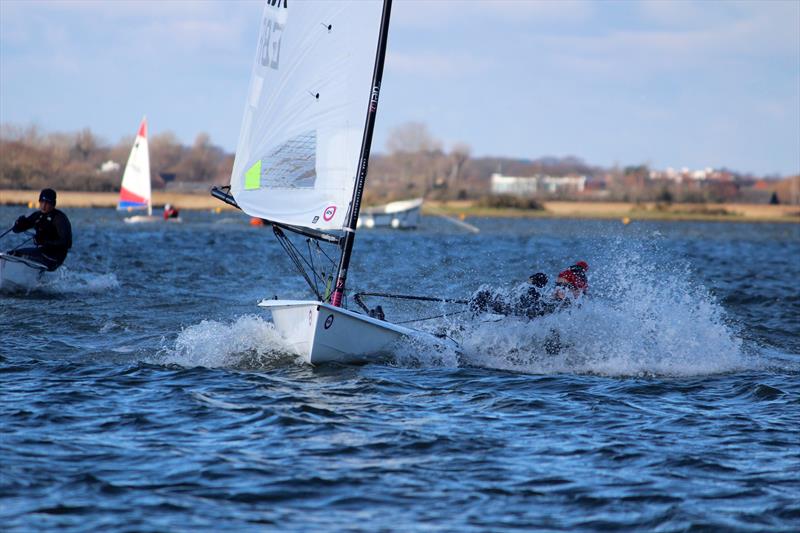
(414, 164)
(32, 159)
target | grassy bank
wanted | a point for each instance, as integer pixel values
(631, 211)
(588, 210)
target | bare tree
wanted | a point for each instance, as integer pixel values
(459, 155)
(411, 138)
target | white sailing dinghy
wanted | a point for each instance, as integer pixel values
(403, 214)
(301, 161)
(135, 192)
(20, 273)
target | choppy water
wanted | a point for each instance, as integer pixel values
(143, 390)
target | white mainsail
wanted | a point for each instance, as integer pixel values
(298, 152)
(134, 192)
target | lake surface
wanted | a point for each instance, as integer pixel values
(143, 390)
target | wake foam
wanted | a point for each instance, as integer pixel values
(645, 316)
(66, 281)
(249, 342)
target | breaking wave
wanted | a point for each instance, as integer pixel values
(646, 316)
(248, 342)
(66, 281)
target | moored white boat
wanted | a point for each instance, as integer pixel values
(20, 273)
(403, 214)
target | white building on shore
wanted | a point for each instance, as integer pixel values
(538, 184)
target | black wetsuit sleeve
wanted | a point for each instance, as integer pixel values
(63, 240)
(24, 223)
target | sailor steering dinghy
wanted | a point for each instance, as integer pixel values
(301, 162)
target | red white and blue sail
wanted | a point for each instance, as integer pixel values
(311, 84)
(135, 193)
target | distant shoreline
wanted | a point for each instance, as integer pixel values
(577, 209)
(628, 211)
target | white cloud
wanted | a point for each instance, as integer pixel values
(155, 25)
(432, 65)
(431, 13)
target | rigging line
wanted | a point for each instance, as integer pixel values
(325, 254)
(313, 268)
(23, 243)
(327, 279)
(294, 248)
(360, 302)
(291, 251)
(430, 317)
(413, 297)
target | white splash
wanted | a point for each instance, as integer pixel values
(249, 341)
(66, 281)
(644, 317)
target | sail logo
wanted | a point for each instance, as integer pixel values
(373, 99)
(269, 48)
(329, 212)
(278, 3)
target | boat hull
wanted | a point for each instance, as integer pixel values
(320, 333)
(19, 273)
(142, 219)
(398, 215)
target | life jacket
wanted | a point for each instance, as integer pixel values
(573, 277)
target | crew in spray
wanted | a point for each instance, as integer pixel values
(572, 282)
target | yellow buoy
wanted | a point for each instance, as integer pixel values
(626, 220)
(30, 205)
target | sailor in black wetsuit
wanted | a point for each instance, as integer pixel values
(53, 237)
(529, 304)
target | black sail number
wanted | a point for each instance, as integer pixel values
(270, 45)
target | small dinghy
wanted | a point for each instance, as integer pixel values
(135, 193)
(301, 164)
(397, 215)
(20, 273)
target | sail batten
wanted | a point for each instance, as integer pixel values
(298, 151)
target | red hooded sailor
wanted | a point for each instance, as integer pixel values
(574, 278)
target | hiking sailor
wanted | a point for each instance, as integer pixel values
(171, 212)
(528, 304)
(572, 282)
(53, 236)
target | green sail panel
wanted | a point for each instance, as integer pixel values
(252, 178)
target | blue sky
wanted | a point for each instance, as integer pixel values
(671, 84)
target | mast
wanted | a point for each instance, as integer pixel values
(366, 142)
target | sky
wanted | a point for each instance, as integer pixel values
(665, 83)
